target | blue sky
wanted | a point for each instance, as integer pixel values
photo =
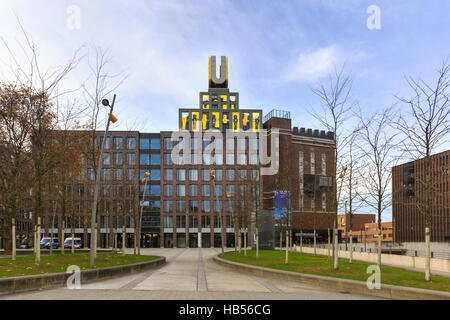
(277, 50)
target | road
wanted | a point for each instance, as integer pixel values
(189, 274)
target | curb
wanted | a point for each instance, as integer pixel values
(59, 279)
(386, 291)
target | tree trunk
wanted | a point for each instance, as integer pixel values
(134, 240)
(379, 248)
(329, 244)
(257, 242)
(240, 241)
(290, 239)
(336, 252)
(286, 258)
(124, 236)
(427, 255)
(95, 241)
(13, 242)
(281, 240)
(115, 239)
(301, 241)
(245, 242)
(63, 226)
(351, 247)
(73, 239)
(37, 259)
(315, 242)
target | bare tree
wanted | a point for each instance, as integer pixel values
(378, 146)
(336, 110)
(424, 127)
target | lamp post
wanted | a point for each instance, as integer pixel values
(144, 180)
(112, 118)
(213, 177)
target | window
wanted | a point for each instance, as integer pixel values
(118, 174)
(181, 221)
(206, 221)
(218, 144)
(168, 174)
(255, 175)
(254, 143)
(242, 175)
(131, 143)
(324, 201)
(206, 190)
(206, 159)
(218, 159)
(230, 159)
(313, 164)
(107, 142)
(130, 174)
(90, 174)
(195, 159)
(206, 174)
(118, 143)
(168, 222)
(217, 205)
(144, 159)
(193, 174)
(324, 163)
(254, 159)
(230, 143)
(193, 206)
(168, 159)
(144, 143)
(106, 189)
(300, 161)
(193, 190)
(181, 190)
(106, 159)
(168, 190)
(167, 143)
(242, 144)
(155, 190)
(155, 144)
(230, 175)
(155, 174)
(181, 174)
(216, 222)
(155, 159)
(131, 159)
(118, 158)
(230, 188)
(242, 159)
(193, 222)
(219, 190)
(219, 174)
(205, 143)
(181, 205)
(206, 206)
(168, 207)
(105, 174)
(194, 143)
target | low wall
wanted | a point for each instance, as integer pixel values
(26, 283)
(440, 265)
(342, 285)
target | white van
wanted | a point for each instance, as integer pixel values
(76, 243)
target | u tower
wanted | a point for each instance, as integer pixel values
(181, 206)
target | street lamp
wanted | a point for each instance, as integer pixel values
(213, 178)
(111, 118)
(144, 180)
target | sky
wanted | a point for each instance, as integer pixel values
(277, 51)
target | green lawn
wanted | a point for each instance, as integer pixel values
(321, 265)
(24, 265)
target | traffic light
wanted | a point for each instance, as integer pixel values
(213, 174)
(113, 118)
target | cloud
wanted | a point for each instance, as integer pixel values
(313, 65)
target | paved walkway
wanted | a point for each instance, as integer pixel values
(190, 274)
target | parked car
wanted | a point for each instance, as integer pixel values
(25, 246)
(76, 243)
(45, 243)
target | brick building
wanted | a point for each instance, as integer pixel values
(369, 233)
(358, 220)
(408, 190)
(181, 207)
